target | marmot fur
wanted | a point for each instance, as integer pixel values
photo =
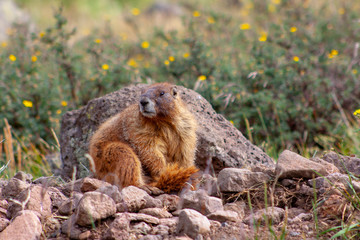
(151, 143)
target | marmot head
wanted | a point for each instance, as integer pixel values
(158, 101)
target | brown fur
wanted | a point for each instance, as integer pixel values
(150, 143)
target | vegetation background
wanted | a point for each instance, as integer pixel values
(284, 72)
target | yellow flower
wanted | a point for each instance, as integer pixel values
(186, 55)
(196, 14)
(12, 58)
(3, 44)
(98, 40)
(277, 2)
(293, 29)
(64, 103)
(135, 11)
(354, 71)
(263, 37)
(341, 11)
(334, 52)
(41, 34)
(357, 112)
(132, 63)
(330, 56)
(232, 122)
(58, 111)
(202, 78)
(171, 59)
(105, 66)
(296, 58)
(27, 103)
(271, 8)
(211, 20)
(145, 44)
(33, 58)
(245, 26)
(166, 62)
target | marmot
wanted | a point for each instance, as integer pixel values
(149, 144)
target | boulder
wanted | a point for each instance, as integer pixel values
(13, 188)
(201, 202)
(219, 142)
(133, 199)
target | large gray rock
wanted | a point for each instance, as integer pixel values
(218, 139)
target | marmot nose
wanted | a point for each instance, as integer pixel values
(144, 102)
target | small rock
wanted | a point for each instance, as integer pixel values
(38, 200)
(141, 228)
(238, 180)
(92, 184)
(3, 223)
(119, 228)
(156, 212)
(201, 202)
(292, 165)
(151, 237)
(302, 217)
(25, 226)
(162, 230)
(192, 223)
(51, 227)
(13, 188)
(293, 212)
(94, 206)
(152, 202)
(289, 183)
(335, 207)
(84, 235)
(112, 191)
(238, 207)
(330, 168)
(170, 202)
(335, 179)
(210, 185)
(25, 177)
(170, 222)
(57, 197)
(70, 204)
(273, 214)
(344, 163)
(70, 229)
(223, 216)
(142, 217)
(47, 181)
(133, 199)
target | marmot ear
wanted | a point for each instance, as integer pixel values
(174, 91)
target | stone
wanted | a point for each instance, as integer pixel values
(85, 235)
(142, 217)
(94, 206)
(223, 216)
(170, 202)
(25, 177)
(273, 214)
(156, 212)
(293, 212)
(292, 165)
(35, 198)
(335, 207)
(238, 207)
(201, 202)
(119, 228)
(151, 237)
(141, 228)
(92, 184)
(238, 180)
(25, 226)
(344, 163)
(161, 230)
(70, 229)
(112, 191)
(170, 222)
(13, 188)
(68, 206)
(192, 224)
(50, 181)
(219, 142)
(56, 196)
(210, 185)
(330, 168)
(3, 223)
(133, 199)
(336, 179)
(153, 202)
(51, 227)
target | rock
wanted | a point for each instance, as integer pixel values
(170, 202)
(273, 214)
(292, 165)
(210, 185)
(153, 202)
(238, 180)
(156, 212)
(84, 235)
(151, 237)
(344, 163)
(51, 227)
(141, 228)
(3, 223)
(223, 216)
(25, 177)
(57, 197)
(293, 212)
(70, 204)
(336, 179)
(335, 207)
(219, 142)
(201, 202)
(94, 206)
(119, 228)
(47, 181)
(170, 222)
(133, 199)
(161, 230)
(112, 191)
(35, 198)
(238, 207)
(330, 168)
(13, 188)
(70, 229)
(4, 205)
(25, 226)
(142, 217)
(92, 184)
(302, 217)
(192, 223)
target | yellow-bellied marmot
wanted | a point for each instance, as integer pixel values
(151, 143)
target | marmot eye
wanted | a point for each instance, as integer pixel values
(162, 93)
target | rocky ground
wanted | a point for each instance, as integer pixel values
(238, 204)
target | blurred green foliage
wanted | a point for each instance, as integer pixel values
(281, 71)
